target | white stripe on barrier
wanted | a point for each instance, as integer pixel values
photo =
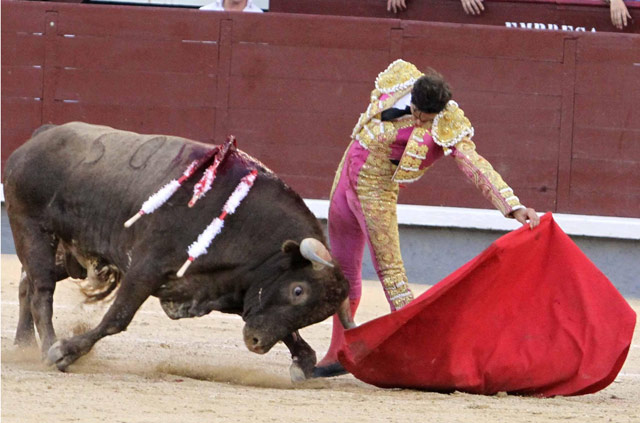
(488, 219)
(492, 220)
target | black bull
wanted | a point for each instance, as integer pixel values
(68, 192)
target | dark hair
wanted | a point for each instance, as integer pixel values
(431, 93)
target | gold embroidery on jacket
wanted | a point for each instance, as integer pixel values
(396, 81)
(488, 181)
(414, 153)
(450, 126)
(399, 75)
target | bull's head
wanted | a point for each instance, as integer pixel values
(308, 289)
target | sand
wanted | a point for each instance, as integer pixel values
(198, 370)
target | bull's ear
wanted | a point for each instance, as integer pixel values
(292, 249)
(290, 246)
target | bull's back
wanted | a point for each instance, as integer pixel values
(78, 159)
(81, 182)
(28, 175)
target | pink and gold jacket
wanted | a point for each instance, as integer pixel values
(416, 148)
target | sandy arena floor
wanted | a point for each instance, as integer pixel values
(198, 370)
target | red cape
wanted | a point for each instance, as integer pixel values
(530, 315)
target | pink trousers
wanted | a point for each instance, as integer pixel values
(363, 209)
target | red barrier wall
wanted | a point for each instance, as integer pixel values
(554, 112)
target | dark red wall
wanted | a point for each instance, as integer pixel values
(556, 113)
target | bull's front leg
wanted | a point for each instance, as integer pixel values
(135, 288)
(302, 355)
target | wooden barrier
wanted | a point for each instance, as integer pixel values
(555, 112)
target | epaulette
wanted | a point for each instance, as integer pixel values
(398, 76)
(450, 126)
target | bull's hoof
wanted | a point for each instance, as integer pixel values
(25, 341)
(331, 370)
(56, 356)
(297, 374)
(25, 334)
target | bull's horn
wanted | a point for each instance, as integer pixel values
(344, 314)
(315, 251)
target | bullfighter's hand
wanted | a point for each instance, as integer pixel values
(619, 13)
(473, 7)
(527, 215)
(396, 5)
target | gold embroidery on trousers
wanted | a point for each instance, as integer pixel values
(378, 196)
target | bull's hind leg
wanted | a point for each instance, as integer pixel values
(135, 288)
(36, 250)
(302, 355)
(25, 332)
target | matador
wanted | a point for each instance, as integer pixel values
(410, 123)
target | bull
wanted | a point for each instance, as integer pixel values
(68, 191)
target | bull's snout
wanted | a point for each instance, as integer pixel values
(254, 341)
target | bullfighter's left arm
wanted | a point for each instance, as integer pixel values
(452, 131)
(484, 176)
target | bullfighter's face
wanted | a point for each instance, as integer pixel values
(421, 117)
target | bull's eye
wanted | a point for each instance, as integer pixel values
(298, 292)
